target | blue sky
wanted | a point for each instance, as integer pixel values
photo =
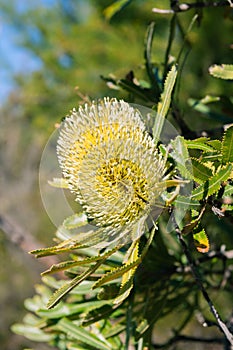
(13, 58)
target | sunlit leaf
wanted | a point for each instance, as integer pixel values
(67, 287)
(32, 333)
(201, 241)
(201, 172)
(227, 146)
(116, 273)
(127, 278)
(213, 184)
(199, 144)
(164, 104)
(223, 71)
(117, 6)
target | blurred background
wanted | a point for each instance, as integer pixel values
(53, 55)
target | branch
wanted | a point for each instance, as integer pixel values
(22, 238)
(198, 280)
(184, 338)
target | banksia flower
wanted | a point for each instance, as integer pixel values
(110, 162)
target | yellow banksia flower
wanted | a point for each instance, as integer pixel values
(112, 165)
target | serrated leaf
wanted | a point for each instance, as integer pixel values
(201, 172)
(71, 244)
(195, 221)
(117, 6)
(71, 263)
(97, 314)
(228, 190)
(127, 278)
(67, 287)
(223, 71)
(216, 144)
(116, 273)
(213, 184)
(59, 183)
(201, 241)
(199, 144)
(227, 146)
(75, 332)
(164, 104)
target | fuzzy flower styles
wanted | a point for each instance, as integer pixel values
(110, 162)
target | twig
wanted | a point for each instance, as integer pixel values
(198, 280)
(22, 238)
(184, 338)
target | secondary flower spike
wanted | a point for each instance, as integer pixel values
(112, 165)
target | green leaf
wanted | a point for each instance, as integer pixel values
(164, 104)
(149, 65)
(201, 172)
(116, 273)
(183, 202)
(201, 241)
(227, 146)
(117, 6)
(223, 71)
(127, 278)
(196, 217)
(65, 309)
(212, 185)
(228, 191)
(63, 247)
(200, 144)
(75, 332)
(67, 287)
(32, 333)
(97, 314)
(71, 263)
(209, 113)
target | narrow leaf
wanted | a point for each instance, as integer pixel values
(201, 172)
(71, 263)
(80, 334)
(67, 287)
(117, 6)
(164, 104)
(116, 273)
(199, 144)
(201, 241)
(223, 71)
(127, 278)
(227, 146)
(32, 333)
(213, 184)
(149, 65)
